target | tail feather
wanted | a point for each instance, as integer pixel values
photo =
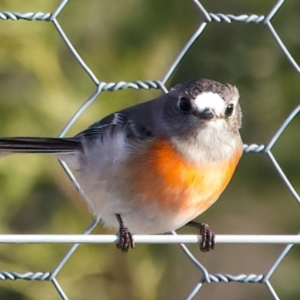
(39, 145)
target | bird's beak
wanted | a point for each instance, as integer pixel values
(206, 114)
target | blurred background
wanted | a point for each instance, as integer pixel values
(42, 85)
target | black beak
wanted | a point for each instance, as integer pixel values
(205, 114)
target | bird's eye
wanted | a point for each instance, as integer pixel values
(229, 110)
(184, 104)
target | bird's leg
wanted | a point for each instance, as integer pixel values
(126, 239)
(208, 237)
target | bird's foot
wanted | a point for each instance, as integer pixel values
(208, 237)
(125, 236)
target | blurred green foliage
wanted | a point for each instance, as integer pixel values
(42, 85)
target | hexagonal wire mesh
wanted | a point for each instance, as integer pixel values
(159, 84)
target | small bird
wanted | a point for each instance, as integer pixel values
(154, 167)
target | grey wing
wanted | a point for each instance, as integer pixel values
(105, 140)
(112, 123)
(103, 126)
(70, 149)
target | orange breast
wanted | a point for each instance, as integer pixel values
(174, 183)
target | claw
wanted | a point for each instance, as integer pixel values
(125, 236)
(208, 237)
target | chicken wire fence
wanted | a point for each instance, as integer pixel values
(101, 86)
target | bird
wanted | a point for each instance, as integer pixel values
(153, 167)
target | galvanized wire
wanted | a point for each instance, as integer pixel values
(100, 86)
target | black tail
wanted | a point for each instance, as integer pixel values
(39, 145)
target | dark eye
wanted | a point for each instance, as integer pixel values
(229, 110)
(184, 104)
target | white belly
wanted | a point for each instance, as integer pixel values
(107, 188)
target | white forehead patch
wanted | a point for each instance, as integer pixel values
(210, 100)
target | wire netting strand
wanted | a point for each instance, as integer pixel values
(145, 239)
(194, 260)
(58, 288)
(39, 276)
(156, 84)
(195, 291)
(283, 48)
(74, 247)
(283, 176)
(271, 290)
(29, 16)
(278, 261)
(59, 8)
(83, 65)
(274, 10)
